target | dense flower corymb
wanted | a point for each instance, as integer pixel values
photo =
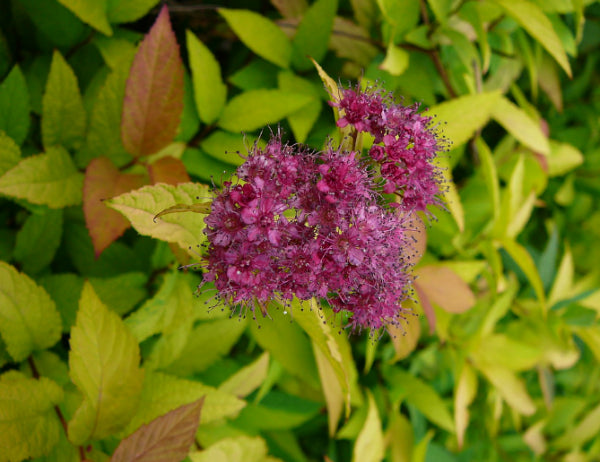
(306, 224)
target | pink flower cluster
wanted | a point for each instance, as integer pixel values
(306, 224)
(404, 145)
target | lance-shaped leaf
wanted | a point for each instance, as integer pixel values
(462, 116)
(516, 121)
(29, 320)
(46, 179)
(119, 11)
(14, 106)
(104, 365)
(163, 393)
(259, 34)
(166, 439)
(154, 92)
(92, 12)
(332, 390)
(256, 108)
(312, 35)
(103, 181)
(210, 92)
(168, 170)
(141, 206)
(28, 423)
(63, 115)
(533, 20)
(323, 338)
(369, 443)
(466, 389)
(10, 154)
(248, 378)
(246, 448)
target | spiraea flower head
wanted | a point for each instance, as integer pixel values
(305, 224)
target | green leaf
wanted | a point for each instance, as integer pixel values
(122, 292)
(166, 438)
(28, 424)
(207, 343)
(248, 378)
(141, 206)
(324, 338)
(63, 115)
(114, 50)
(563, 158)
(520, 255)
(171, 305)
(332, 389)
(104, 365)
(65, 290)
(537, 24)
(14, 106)
(154, 92)
(47, 179)
(92, 12)
(119, 11)
(210, 92)
(421, 395)
(288, 344)
(256, 108)
(10, 154)
(260, 35)
(396, 60)
(369, 445)
(229, 147)
(251, 449)
(404, 16)
(28, 317)
(516, 122)
(38, 240)
(509, 386)
(313, 32)
(104, 133)
(303, 119)
(461, 117)
(162, 393)
(490, 174)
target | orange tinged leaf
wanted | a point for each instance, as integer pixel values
(166, 439)
(154, 92)
(445, 288)
(168, 170)
(103, 181)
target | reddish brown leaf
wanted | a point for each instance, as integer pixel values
(445, 288)
(168, 170)
(416, 233)
(166, 439)
(154, 93)
(103, 181)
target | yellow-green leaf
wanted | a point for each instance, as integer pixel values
(29, 426)
(141, 206)
(563, 158)
(46, 179)
(516, 122)
(29, 320)
(63, 114)
(92, 12)
(256, 108)
(119, 11)
(259, 34)
(462, 116)
(369, 443)
(210, 92)
(104, 365)
(533, 20)
(14, 106)
(509, 386)
(10, 154)
(248, 378)
(162, 393)
(466, 389)
(332, 390)
(240, 448)
(520, 255)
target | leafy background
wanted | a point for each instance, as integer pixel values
(107, 354)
